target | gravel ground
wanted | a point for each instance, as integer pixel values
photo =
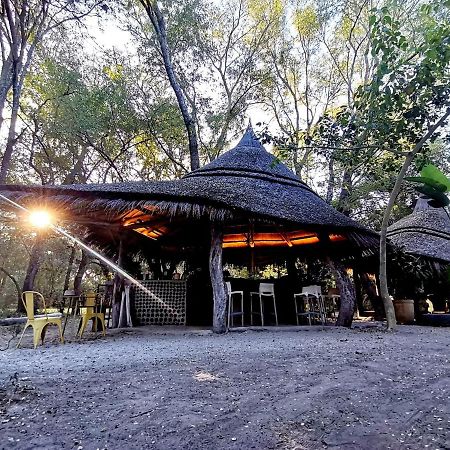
(172, 389)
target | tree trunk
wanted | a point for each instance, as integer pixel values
(81, 271)
(73, 251)
(216, 273)
(159, 25)
(75, 174)
(347, 294)
(344, 195)
(7, 156)
(2, 282)
(331, 181)
(384, 292)
(33, 266)
(16, 284)
(5, 84)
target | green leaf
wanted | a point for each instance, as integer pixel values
(439, 198)
(431, 171)
(387, 19)
(428, 181)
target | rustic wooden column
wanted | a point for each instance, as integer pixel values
(347, 294)
(216, 273)
(116, 298)
(358, 291)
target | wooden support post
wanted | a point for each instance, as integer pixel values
(116, 297)
(372, 289)
(216, 273)
(347, 293)
(358, 292)
(251, 245)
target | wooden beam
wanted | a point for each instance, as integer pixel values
(286, 239)
(251, 232)
(92, 222)
(147, 223)
(216, 273)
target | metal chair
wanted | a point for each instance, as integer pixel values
(265, 290)
(90, 310)
(231, 312)
(39, 322)
(313, 305)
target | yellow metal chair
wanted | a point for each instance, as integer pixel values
(89, 311)
(39, 322)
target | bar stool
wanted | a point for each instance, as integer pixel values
(313, 305)
(231, 312)
(331, 302)
(265, 290)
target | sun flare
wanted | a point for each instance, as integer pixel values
(40, 219)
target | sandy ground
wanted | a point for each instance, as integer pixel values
(172, 389)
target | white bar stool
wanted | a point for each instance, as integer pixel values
(265, 290)
(231, 312)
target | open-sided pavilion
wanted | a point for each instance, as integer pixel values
(245, 207)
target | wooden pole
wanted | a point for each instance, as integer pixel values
(347, 294)
(116, 298)
(216, 273)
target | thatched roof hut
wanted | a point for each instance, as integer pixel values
(245, 186)
(250, 202)
(425, 232)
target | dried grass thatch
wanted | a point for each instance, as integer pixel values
(246, 184)
(425, 232)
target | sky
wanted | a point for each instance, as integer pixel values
(109, 35)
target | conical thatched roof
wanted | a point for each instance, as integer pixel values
(246, 183)
(425, 232)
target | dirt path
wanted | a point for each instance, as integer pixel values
(310, 389)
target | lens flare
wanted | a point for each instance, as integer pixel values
(108, 262)
(40, 219)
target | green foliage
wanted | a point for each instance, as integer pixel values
(434, 184)
(306, 21)
(411, 86)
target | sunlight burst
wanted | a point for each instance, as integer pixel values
(40, 219)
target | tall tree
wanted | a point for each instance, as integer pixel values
(159, 26)
(407, 101)
(23, 26)
(239, 34)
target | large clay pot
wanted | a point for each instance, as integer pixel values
(404, 311)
